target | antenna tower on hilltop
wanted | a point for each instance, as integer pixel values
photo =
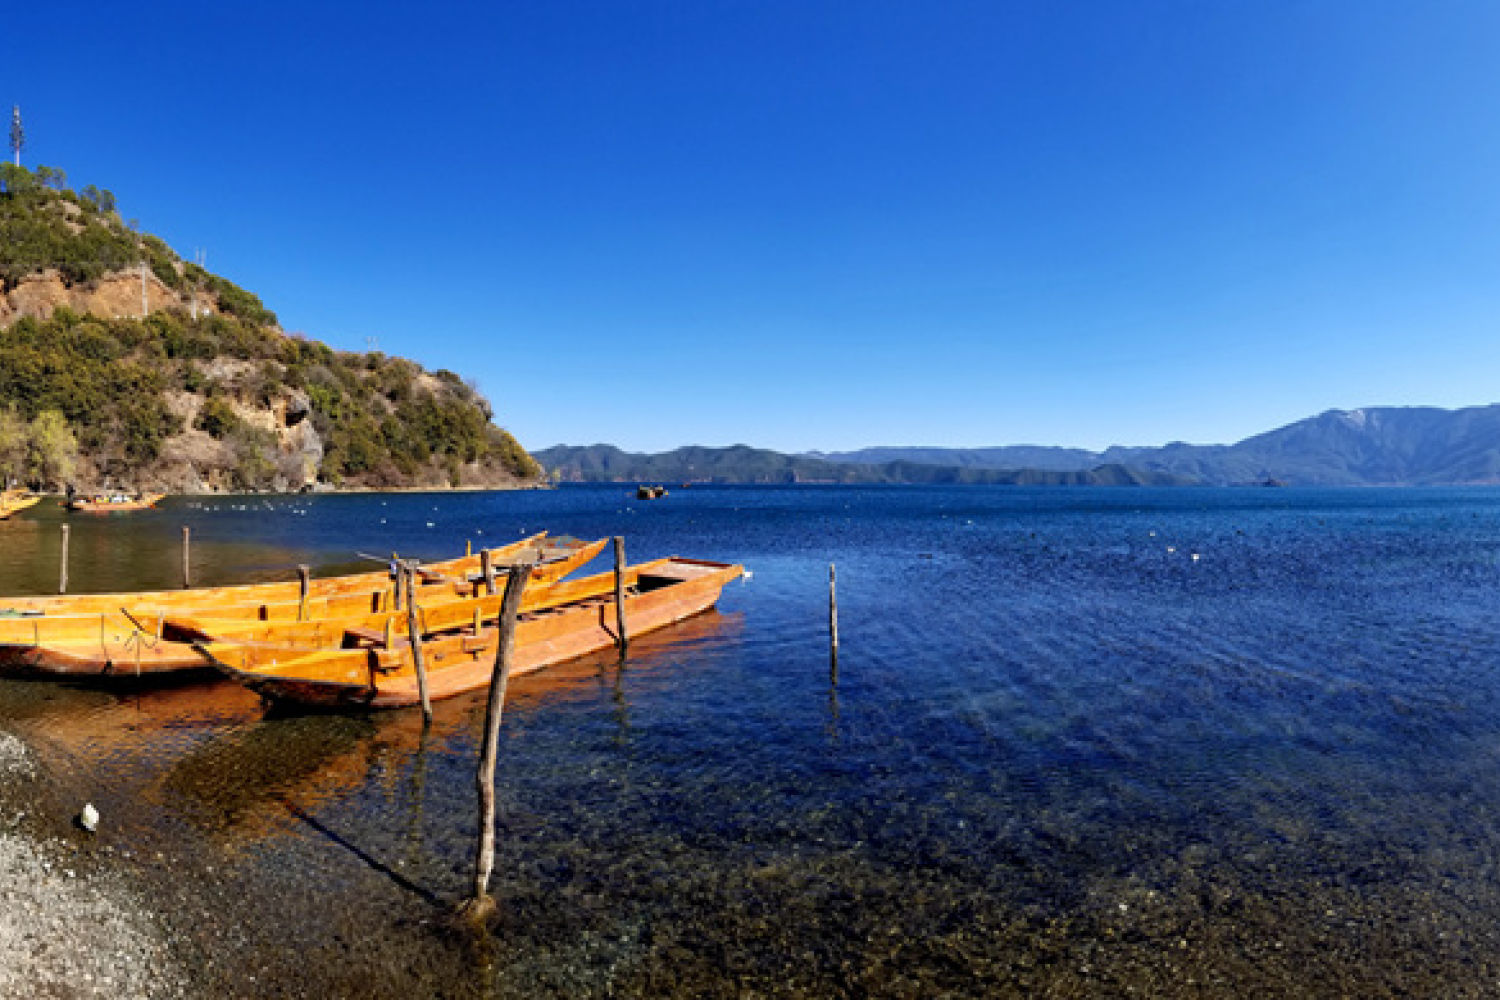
(17, 133)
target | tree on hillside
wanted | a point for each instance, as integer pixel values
(17, 133)
(14, 442)
(54, 449)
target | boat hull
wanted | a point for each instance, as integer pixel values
(379, 678)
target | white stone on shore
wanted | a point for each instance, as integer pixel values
(89, 817)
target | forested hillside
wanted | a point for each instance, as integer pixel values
(205, 391)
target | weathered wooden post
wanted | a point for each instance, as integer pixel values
(62, 580)
(187, 574)
(304, 581)
(487, 570)
(481, 905)
(620, 594)
(833, 624)
(399, 568)
(414, 630)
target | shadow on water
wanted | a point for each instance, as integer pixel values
(369, 860)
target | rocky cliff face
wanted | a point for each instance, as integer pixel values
(113, 296)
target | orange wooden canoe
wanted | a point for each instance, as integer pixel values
(135, 644)
(379, 676)
(448, 572)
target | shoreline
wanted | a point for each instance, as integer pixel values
(71, 922)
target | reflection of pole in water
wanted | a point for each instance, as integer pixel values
(418, 802)
(622, 707)
(833, 714)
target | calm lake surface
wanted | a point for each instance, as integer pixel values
(1083, 742)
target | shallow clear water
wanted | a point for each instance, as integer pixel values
(1087, 742)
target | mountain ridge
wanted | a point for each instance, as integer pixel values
(743, 464)
(1369, 446)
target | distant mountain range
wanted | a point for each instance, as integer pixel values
(1378, 446)
(602, 463)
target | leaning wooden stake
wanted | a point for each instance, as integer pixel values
(487, 570)
(414, 630)
(304, 579)
(398, 567)
(62, 581)
(480, 906)
(833, 623)
(187, 574)
(620, 593)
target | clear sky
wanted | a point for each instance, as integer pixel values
(806, 225)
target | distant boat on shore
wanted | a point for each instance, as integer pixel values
(113, 503)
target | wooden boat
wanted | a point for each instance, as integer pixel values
(12, 501)
(552, 563)
(544, 589)
(134, 643)
(383, 676)
(113, 503)
(459, 574)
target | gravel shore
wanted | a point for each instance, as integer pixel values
(69, 926)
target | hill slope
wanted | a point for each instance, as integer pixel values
(206, 391)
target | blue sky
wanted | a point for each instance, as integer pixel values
(811, 225)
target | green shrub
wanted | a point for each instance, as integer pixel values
(217, 418)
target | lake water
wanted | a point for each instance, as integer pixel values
(1083, 742)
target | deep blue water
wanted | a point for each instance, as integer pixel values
(1082, 742)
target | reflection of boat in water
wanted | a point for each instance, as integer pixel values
(207, 755)
(243, 780)
(383, 675)
(247, 783)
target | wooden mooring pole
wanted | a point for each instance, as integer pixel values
(487, 570)
(833, 623)
(400, 568)
(620, 594)
(304, 580)
(414, 632)
(481, 905)
(62, 580)
(396, 580)
(187, 572)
